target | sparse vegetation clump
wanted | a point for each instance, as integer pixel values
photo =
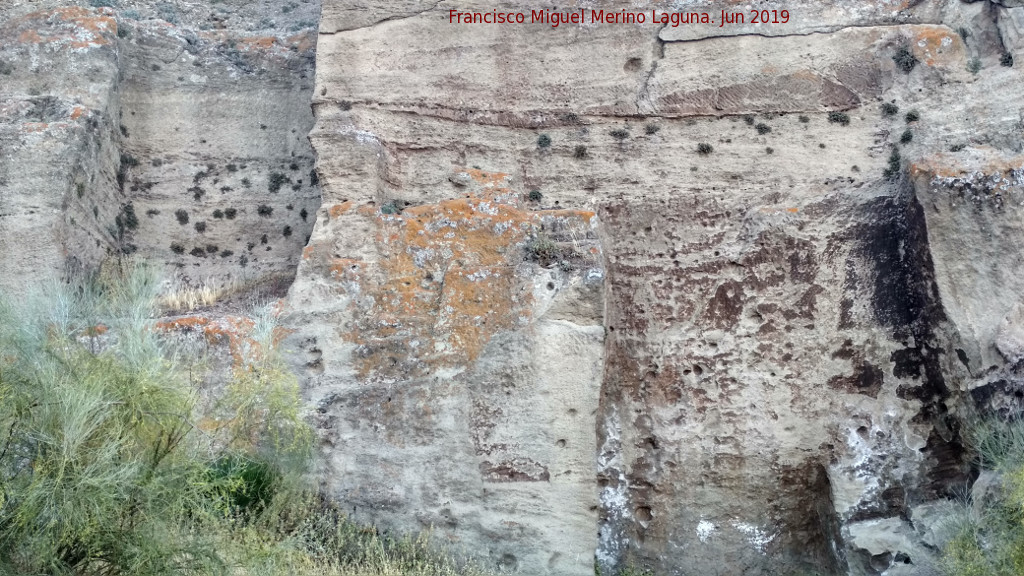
(905, 59)
(181, 215)
(200, 226)
(580, 153)
(543, 141)
(651, 129)
(841, 118)
(895, 164)
(535, 196)
(264, 210)
(906, 137)
(704, 148)
(230, 213)
(763, 128)
(804, 119)
(1006, 60)
(619, 134)
(912, 116)
(890, 109)
(276, 181)
(974, 65)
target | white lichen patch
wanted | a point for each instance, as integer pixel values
(756, 536)
(704, 530)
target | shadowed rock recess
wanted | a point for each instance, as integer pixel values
(696, 300)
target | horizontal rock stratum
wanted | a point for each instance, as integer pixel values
(695, 299)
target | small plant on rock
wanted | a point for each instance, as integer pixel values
(543, 141)
(1006, 60)
(841, 118)
(912, 116)
(264, 210)
(651, 129)
(895, 164)
(763, 128)
(200, 226)
(890, 109)
(580, 152)
(619, 134)
(974, 65)
(182, 216)
(230, 213)
(904, 59)
(906, 137)
(177, 248)
(704, 148)
(535, 196)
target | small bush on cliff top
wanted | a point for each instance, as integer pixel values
(704, 148)
(543, 141)
(841, 118)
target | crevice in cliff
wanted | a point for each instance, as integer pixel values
(643, 99)
(820, 31)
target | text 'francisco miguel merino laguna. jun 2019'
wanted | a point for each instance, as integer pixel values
(556, 18)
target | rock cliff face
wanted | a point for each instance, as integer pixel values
(534, 312)
(697, 299)
(174, 130)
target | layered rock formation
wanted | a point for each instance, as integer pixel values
(174, 130)
(763, 368)
(594, 295)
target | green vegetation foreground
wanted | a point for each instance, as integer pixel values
(113, 459)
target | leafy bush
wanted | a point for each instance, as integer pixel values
(1006, 60)
(704, 148)
(974, 65)
(303, 214)
(651, 129)
(580, 153)
(200, 226)
(619, 134)
(198, 252)
(906, 137)
(763, 128)
(287, 231)
(182, 216)
(804, 119)
(912, 116)
(535, 196)
(218, 214)
(230, 213)
(177, 248)
(264, 210)
(890, 109)
(543, 141)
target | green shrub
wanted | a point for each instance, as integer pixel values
(704, 148)
(906, 137)
(769, 150)
(182, 216)
(543, 141)
(1006, 60)
(895, 164)
(218, 214)
(580, 153)
(974, 65)
(287, 231)
(912, 116)
(904, 59)
(535, 196)
(264, 210)
(200, 226)
(841, 118)
(303, 214)
(619, 134)
(177, 248)
(890, 109)
(198, 252)
(804, 119)
(651, 129)
(230, 213)
(763, 128)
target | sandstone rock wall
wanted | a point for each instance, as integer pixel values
(174, 130)
(768, 360)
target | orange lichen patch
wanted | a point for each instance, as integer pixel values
(302, 41)
(256, 43)
(97, 330)
(792, 210)
(339, 209)
(307, 252)
(77, 112)
(936, 45)
(35, 126)
(230, 330)
(75, 26)
(445, 282)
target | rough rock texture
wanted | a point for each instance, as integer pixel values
(751, 360)
(600, 295)
(172, 130)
